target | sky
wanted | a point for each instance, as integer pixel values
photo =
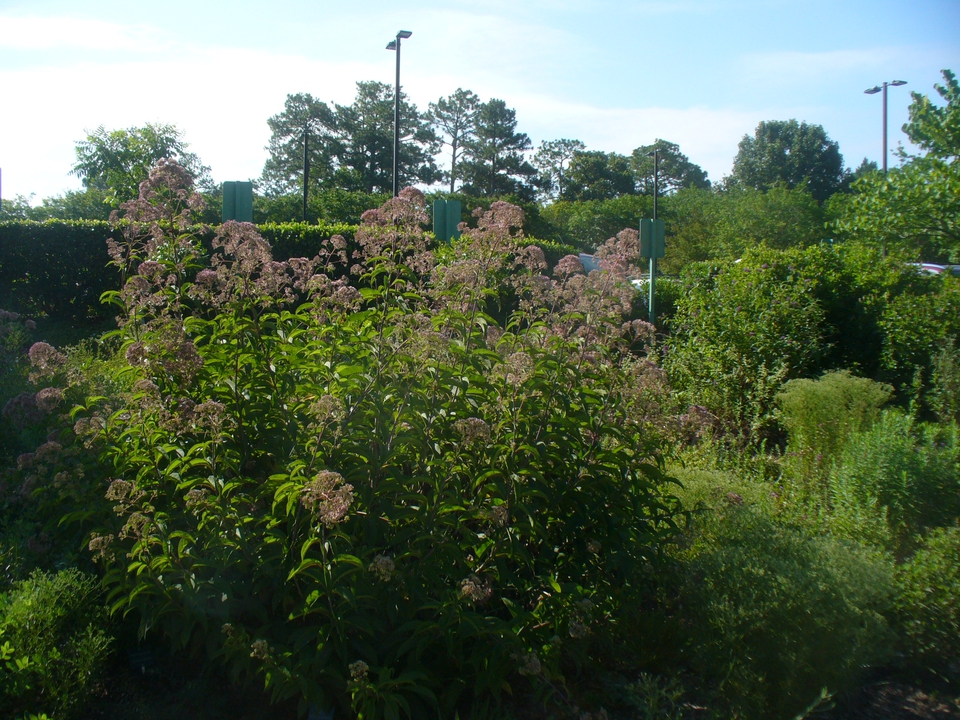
(615, 75)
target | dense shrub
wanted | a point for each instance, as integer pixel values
(928, 603)
(374, 496)
(53, 642)
(327, 207)
(819, 415)
(945, 393)
(915, 324)
(775, 615)
(56, 267)
(742, 330)
(895, 479)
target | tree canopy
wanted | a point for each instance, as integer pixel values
(552, 159)
(676, 170)
(494, 159)
(303, 117)
(937, 129)
(350, 146)
(789, 153)
(596, 175)
(455, 117)
(117, 161)
(916, 207)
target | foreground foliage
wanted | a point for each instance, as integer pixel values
(374, 496)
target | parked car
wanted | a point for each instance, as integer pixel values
(934, 269)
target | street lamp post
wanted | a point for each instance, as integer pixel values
(873, 91)
(651, 301)
(395, 45)
(306, 167)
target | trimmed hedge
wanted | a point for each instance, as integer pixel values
(57, 267)
(60, 268)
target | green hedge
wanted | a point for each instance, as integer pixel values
(59, 268)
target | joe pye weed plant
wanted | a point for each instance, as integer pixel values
(345, 475)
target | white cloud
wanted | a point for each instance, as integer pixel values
(708, 136)
(68, 33)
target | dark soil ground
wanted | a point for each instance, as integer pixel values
(166, 687)
(886, 699)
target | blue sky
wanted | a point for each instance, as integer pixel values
(616, 75)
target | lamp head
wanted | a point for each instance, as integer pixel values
(392, 45)
(404, 34)
(873, 91)
(898, 83)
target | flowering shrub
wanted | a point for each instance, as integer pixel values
(362, 486)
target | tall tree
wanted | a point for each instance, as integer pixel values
(552, 159)
(676, 170)
(117, 161)
(937, 129)
(916, 207)
(596, 175)
(304, 119)
(791, 154)
(494, 158)
(455, 117)
(365, 131)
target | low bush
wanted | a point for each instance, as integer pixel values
(894, 480)
(915, 325)
(54, 639)
(819, 416)
(777, 616)
(928, 603)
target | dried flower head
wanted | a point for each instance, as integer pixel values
(532, 258)
(48, 399)
(359, 670)
(328, 497)
(529, 664)
(45, 359)
(260, 649)
(212, 417)
(567, 266)
(473, 430)
(100, 545)
(517, 368)
(383, 567)
(475, 591)
(196, 497)
(135, 527)
(22, 410)
(325, 409)
(577, 629)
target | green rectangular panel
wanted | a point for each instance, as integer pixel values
(453, 220)
(229, 210)
(244, 202)
(652, 238)
(440, 219)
